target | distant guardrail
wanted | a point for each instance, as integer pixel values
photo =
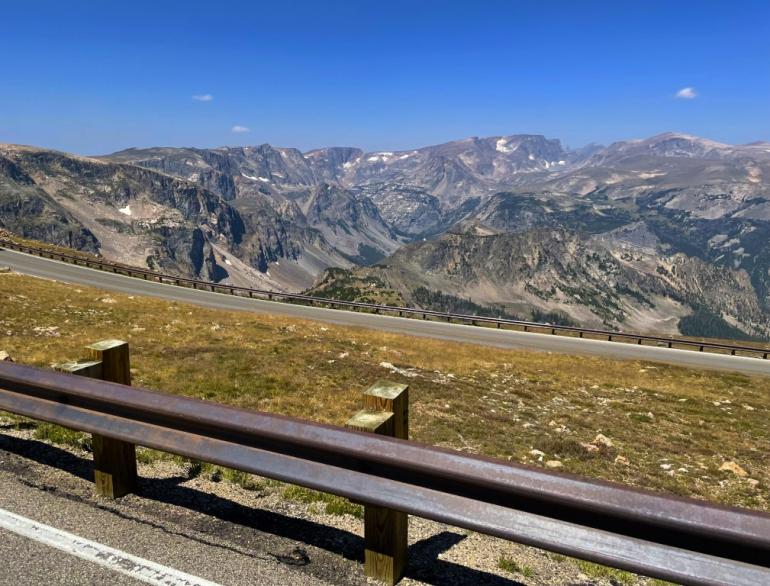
(687, 541)
(476, 320)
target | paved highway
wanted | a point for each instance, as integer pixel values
(67, 273)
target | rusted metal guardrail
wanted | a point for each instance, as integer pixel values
(526, 326)
(682, 540)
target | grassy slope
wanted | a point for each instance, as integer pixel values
(675, 427)
(344, 285)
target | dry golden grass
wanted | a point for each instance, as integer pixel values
(675, 427)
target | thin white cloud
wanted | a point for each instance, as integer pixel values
(203, 97)
(686, 93)
(239, 129)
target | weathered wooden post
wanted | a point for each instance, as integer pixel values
(114, 460)
(385, 412)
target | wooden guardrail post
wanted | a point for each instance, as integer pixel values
(114, 460)
(385, 412)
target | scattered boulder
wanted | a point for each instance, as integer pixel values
(396, 370)
(603, 440)
(590, 448)
(5, 357)
(553, 464)
(734, 468)
(48, 331)
(622, 461)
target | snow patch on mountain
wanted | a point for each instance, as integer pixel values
(503, 146)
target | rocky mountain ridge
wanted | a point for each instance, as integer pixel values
(452, 171)
(617, 280)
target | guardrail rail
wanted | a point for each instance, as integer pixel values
(683, 540)
(499, 323)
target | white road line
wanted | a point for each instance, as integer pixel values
(114, 559)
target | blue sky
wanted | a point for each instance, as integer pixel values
(96, 76)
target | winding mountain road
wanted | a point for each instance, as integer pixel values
(58, 271)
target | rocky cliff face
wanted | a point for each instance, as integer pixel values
(27, 210)
(183, 212)
(352, 222)
(125, 212)
(331, 165)
(410, 211)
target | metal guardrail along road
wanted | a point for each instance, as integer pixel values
(682, 540)
(733, 349)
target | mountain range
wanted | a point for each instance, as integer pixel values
(666, 234)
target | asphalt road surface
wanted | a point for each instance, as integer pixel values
(67, 273)
(175, 532)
